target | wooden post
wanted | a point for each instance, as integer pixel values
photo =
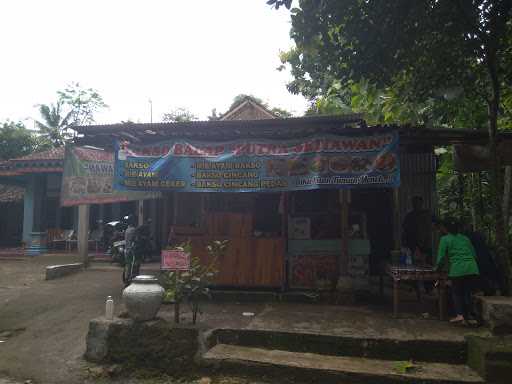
(442, 299)
(140, 212)
(395, 297)
(284, 236)
(177, 297)
(345, 200)
(397, 225)
(83, 233)
(164, 206)
(284, 215)
(154, 215)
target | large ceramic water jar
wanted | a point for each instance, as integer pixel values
(143, 297)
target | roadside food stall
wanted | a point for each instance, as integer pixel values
(305, 202)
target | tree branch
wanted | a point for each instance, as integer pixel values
(475, 28)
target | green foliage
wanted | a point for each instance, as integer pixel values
(424, 63)
(466, 197)
(16, 141)
(242, 97)
(82, 103)
(74, 106)
(405, 367)
(279, 3)
(279, 112)
(192, 285)
(179, 115)
(429, 63)
(54, 125)
(435, 46)
(214, 115)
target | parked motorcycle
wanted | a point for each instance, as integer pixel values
(114, 236)
(137, 251)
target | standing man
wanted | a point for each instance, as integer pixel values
(132, 262)
(417, 233)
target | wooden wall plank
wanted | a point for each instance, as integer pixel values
(248, 262)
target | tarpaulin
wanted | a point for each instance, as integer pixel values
(328, 161)
(89, 177)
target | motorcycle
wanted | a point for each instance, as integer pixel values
(118, 252)
(114, 236)
(137, 252)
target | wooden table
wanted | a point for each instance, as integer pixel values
(417, 273)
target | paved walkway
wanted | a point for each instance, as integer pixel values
(352, 321)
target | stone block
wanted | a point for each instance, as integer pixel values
(491, 357)
(154, 344)
(56, 271)
(496, 312)
(97, 347)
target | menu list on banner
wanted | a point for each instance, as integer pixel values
(328, 161)
(89, 178)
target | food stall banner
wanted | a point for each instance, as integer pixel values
(359, 160)
(89, 177)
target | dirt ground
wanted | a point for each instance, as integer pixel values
(43, 324)
(48, 319)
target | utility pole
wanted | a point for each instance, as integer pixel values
(150, 111)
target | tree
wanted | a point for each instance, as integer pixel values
(214, 115)
(17, 141)
(278, 3)
(74, 106)
(179, 115)
(425, 49)
(54, 126)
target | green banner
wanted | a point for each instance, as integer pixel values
(89, 177)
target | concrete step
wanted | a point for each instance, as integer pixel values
(420, 349)
(315, 368)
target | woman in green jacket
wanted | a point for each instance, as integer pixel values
(463, 269)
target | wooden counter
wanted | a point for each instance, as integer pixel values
(248, 262)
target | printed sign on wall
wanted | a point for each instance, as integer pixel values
(89, 177)
(175, 260)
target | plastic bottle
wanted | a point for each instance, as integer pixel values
(403, 256)
(408, 260)
(109, 308)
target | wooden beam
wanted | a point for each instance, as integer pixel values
(140, 212)
(397, 225)
(284, 235)
(345, 207)
(83, 233)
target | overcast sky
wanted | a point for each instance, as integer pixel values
(196, 54)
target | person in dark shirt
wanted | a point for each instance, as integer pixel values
(417, 232)
(132, 259)
(489, 275)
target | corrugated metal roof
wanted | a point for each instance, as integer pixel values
(197, 126)
(275, 129)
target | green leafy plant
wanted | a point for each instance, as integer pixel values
(193, 285)
(405, 366)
